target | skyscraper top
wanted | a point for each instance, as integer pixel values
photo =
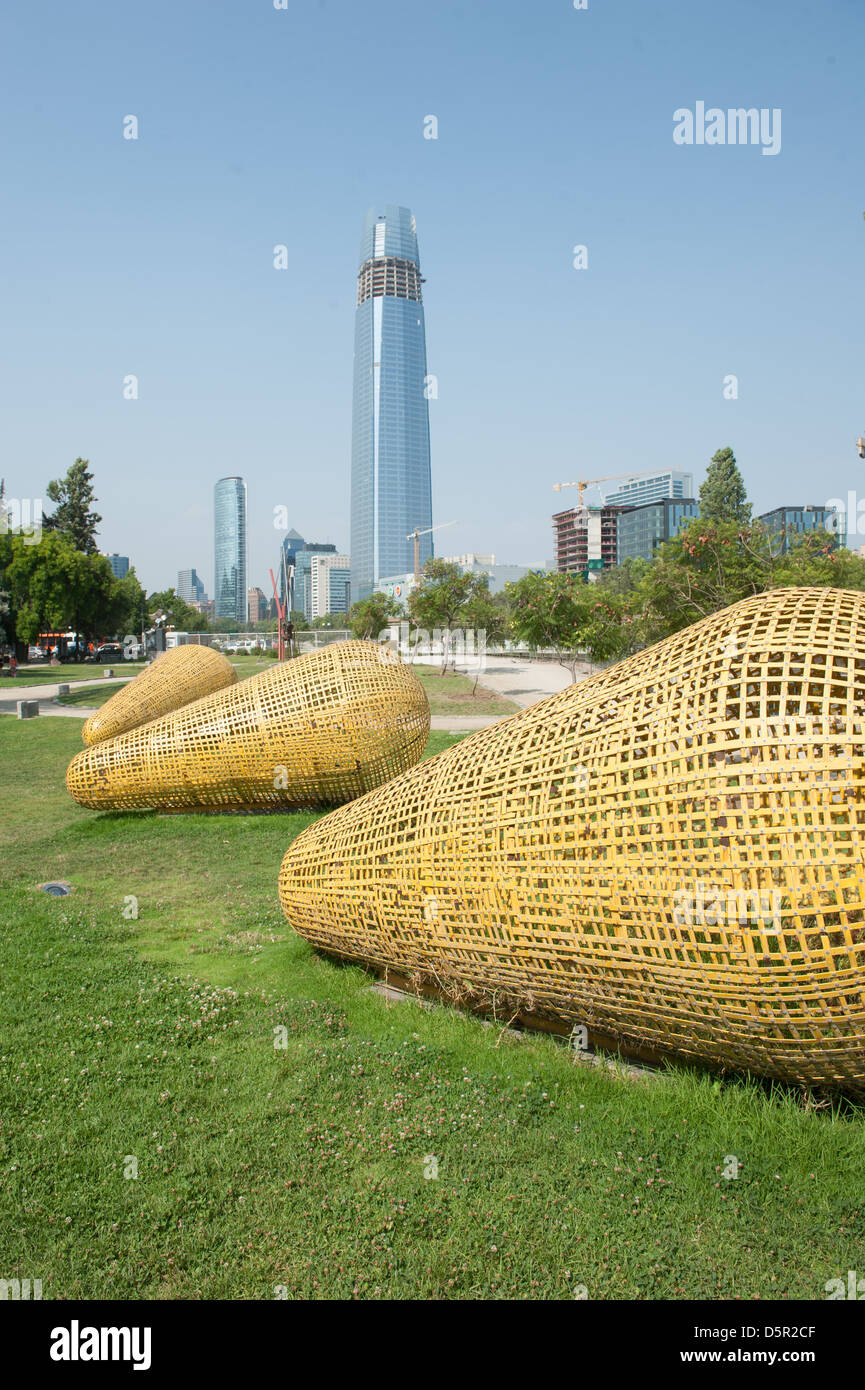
(389, 230)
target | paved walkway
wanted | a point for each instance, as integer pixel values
(47, 696)
(524, 682)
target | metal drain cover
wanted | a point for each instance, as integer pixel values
(56, 890)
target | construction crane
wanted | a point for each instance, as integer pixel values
(415, 536)
(583, 483)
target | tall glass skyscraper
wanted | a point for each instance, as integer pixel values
(391, 491)
(229, 548)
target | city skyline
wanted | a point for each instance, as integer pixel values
(166, 356)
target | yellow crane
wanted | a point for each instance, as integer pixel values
(583, 483)
(415, 536)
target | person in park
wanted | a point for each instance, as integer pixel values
(13, 665)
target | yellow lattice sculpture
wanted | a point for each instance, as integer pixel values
(174, 679)
(669, 853)
(315, 731)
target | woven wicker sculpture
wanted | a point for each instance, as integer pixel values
(315, 731)
(669, 853)
(171, 681)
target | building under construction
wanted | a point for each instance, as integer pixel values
(585, 538)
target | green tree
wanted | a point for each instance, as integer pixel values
(814, 560)
(328, 622)
(488, 617)
(73, 518)
(722, 495)
(369, 616)
(549, 610)
(127, 604)
(54, 586)
(180, 615)
(610, 630)
(706, 567)
(441, 599)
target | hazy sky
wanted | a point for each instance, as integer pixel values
(260, 127)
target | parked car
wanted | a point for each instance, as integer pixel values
(36, 654)
(109, 651)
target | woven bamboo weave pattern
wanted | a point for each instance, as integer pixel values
(670, 851)
(315, 731)
(171, 681)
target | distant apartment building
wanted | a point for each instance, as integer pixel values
(788, 522)
(499, 575)
(119, 565)
(190, 588)
(257, 604)
(586, 538)
(636, 491)
(399, 586)
(641, 530)
(303, 575)
(329, 585)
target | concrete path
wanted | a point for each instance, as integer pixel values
(47, 696)
(464, 723)
(524, 682)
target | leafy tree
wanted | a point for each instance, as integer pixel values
(328, 622)
(369, 616)
(442, 598)
(722, 495)
(705, 568)
(610, 629)
(73, 517)
(813, 560)
(127, 606)
(489, 614)
(54, 586)
(177, 611)
(550, 610)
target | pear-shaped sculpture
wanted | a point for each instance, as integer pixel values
(174, 679)
(670, 854)
(315, 731)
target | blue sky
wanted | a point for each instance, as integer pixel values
(261, 127)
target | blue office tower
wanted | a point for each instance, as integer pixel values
(229, 546)
(390, 457)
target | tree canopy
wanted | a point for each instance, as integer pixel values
(722, 495)
(72, 517)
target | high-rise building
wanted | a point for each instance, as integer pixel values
(634, 492)
(586, 538)
(328, 576)
(258, 606)
(788, 522)
(641, 530)
(391, 492)
(190, 588)
(303, 575)
(119, 565)
(229, 548)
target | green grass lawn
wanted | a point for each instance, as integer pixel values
(91, 696)
(452, 694)
(68, 671)
(146, 1044)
